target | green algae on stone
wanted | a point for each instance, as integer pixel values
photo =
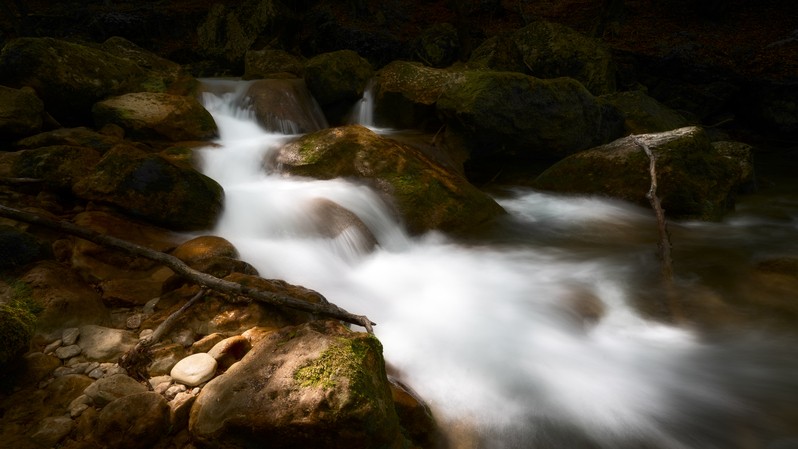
(344, 360)
(17, 320)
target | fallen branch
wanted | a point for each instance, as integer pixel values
(136, 360)
(664, 242)
(178, 266)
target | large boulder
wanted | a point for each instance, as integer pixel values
(426, 195)
(337, 80)
(438, 45)
(643, 114)
(150, 187)
(694, 179)
(314, 385)
(551, 50)
(505, 115)
(406, 92)
(228, 32)
(285, 106)
(60, 166)
(266, 62)
(20, 113)
(77, 137)
(157, 116)
(137, 421)
(162, 75)
(17, 323)
(65, 300)
(70, 77)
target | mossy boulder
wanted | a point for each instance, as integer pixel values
(75, 137)
(70, 77)
(152, 188)
(514, 116)
(17, 321)
(643, 114)
(314, 385)
(60, 166)
(438, 45)
(426, 195)
(406, 92)
(157, 116)
(694, 179)
(551, 50)
(20, 113)
(266, 62)
(337, 80)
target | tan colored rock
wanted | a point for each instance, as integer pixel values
(108, 389)
(136, 421)
(156, 116)
(194, 369)
(104, 344)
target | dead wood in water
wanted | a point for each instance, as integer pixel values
(664, 242)
(178, 266)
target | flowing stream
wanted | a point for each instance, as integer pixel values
(528, 336)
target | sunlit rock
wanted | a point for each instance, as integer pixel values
(194, 369)
(426, 195)
(156, 116)
(694, 179)
(315, 385)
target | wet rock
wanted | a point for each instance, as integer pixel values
(20, 113)
(136, 421)
(694, 179)
(156, 116)
(337, 80)
(108, 389)
(285, 106)
(149, 186)
(426, 195)
(298, 388)
(414, 416)
(201, 248)
(406, 93)
(105, 344)
(515, 117)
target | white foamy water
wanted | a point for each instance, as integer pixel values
(493, 334)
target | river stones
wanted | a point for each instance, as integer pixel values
(194, 369)
(110, 388)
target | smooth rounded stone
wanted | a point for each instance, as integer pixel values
(104, 344)
(133, 322)
(91, 366)
(136, 421)
(67, 352)
(174, 390)
(112, 369)
(207, 342)
(52, 430)
(194, 369)
(70, 336)
(53, 346)
(108, 389)
(96, 373)
(145, 333)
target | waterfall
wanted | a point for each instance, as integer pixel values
(526, 339)
(363, 112)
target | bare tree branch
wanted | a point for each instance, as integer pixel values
(178, 266)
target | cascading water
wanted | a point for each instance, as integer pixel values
(525, 339)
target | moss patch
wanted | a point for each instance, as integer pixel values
(17, 321)
(345, 360)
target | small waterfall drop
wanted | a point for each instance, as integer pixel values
(526, 344)
(363, 112)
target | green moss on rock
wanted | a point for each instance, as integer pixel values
(17, 321)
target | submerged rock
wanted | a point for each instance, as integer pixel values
(694, 179)
(314, 385)
(285, 106)
(426, 195)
